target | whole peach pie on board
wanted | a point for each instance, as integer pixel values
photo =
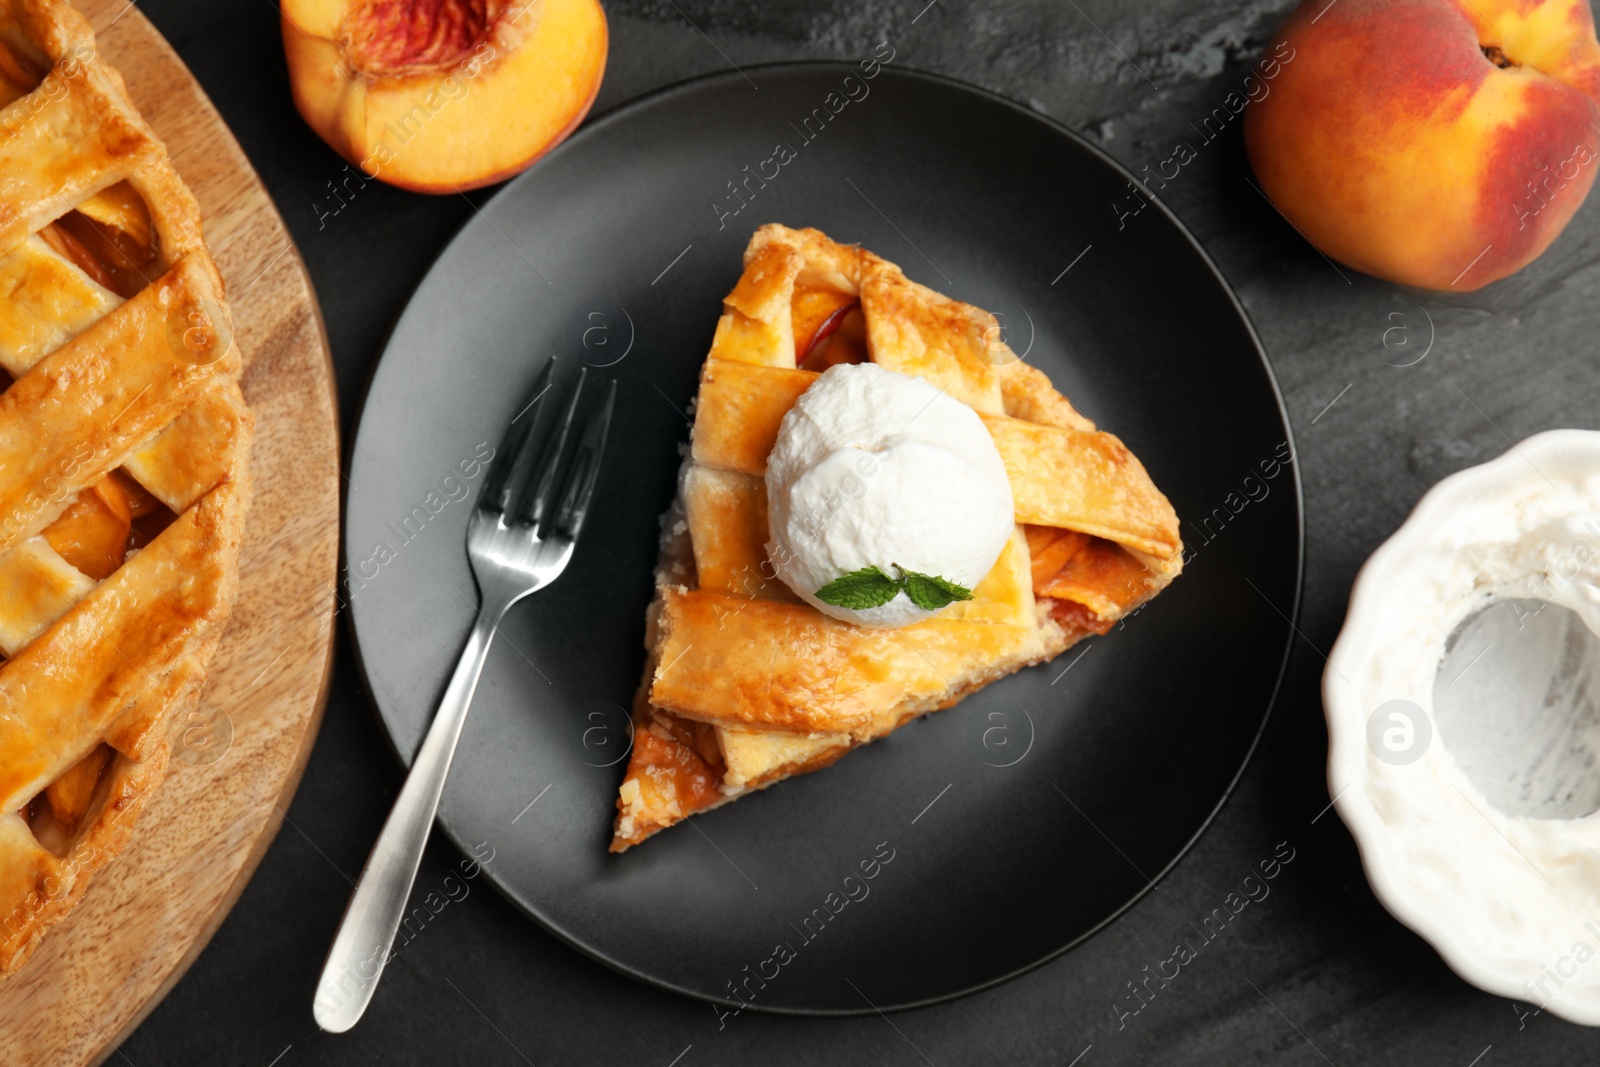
(123, 479)
(746, 684)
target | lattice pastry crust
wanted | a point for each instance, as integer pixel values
(745, 685)
(124, 441)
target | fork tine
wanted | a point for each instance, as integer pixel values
(516, 448)
(543, 476)
(586, 468)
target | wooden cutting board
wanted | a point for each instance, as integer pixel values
(146, 917)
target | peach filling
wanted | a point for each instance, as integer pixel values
(828, 328)
(58, 812)
(19, 76)
(1078, 568)
(108, 520)
(684, 759)
(109, 237)
(404, 37)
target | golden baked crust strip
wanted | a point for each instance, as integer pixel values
(63, 147)
(914, 330)
(738, 410)
(48, 301)
(175, 471)
(77, 414)
(37, 587)
(79, 134)
(1072, 478)
(1086, 481)
(782, 666)
(38, 887)
(127, 633)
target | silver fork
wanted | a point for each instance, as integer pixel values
(528, 517)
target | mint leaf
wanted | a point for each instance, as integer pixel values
(868, 587)
(931, 592)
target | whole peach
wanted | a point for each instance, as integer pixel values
(1437, 143)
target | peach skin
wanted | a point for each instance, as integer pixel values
(1436, 143)
(439, 96)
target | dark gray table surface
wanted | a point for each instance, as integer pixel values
(1316, 972)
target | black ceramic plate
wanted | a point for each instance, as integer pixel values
(1000, 832)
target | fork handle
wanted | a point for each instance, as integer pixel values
(367, 931)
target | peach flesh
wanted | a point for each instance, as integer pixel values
(401, 37)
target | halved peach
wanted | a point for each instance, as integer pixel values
(440, 96)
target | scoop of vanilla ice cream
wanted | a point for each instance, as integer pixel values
(875, 468)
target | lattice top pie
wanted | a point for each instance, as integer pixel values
(123, 479)
(745, 685)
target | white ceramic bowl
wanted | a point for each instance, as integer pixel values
(1506, 900)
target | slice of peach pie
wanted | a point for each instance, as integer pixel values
(883, 509)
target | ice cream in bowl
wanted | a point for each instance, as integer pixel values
(1463, 707)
